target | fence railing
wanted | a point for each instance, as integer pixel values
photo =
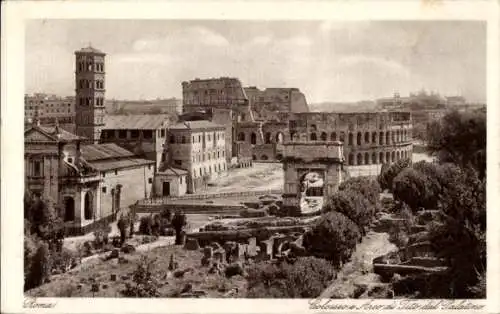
(166, 200)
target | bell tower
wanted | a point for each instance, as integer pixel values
(90, 90)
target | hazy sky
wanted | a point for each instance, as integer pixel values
(328, 61)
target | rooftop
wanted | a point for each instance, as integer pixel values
(173, 171)
(55, 132)
(135, 122)
(90, 49)
(196, 125)
(96, 152)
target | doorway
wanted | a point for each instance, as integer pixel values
(166, 188)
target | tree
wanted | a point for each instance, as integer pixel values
(354, 206)
(460, 138)
(388, 174)
(333, 238)
(179, 222)
(411, 187)
(366, 186)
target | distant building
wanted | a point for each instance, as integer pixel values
(156, 106)
(90, 183)
(199, 147)
(171, 182)
(455, 101)
(271, 100)
(49, 110)
(142, 134)
(90, 90)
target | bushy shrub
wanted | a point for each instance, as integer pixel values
(411, 187)
(146, 225)
(366, 186)
(39, 264)
(354, 206)
(388, 174)
(334, 238)
(307, 277)
(144, 285)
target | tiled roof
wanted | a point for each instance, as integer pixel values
(90, 49)
(57, 133)
(173, 171)
(135, 122)
(196, 125)
(104, 151)
(104, 165)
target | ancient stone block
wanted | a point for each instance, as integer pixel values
(266, 249)
(219, 256)
(205, 261)
(252, 248)
(191, 245)
(208, 252)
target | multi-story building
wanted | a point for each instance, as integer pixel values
(265, 103)
(49, 110)
(142, 134)
(199, 147)
(156, 106)
(90, 90)
(90, 183)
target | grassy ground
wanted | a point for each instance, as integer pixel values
(79, 283)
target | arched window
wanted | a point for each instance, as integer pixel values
(333, 136)
(268, 138)
(388, 138)
(393, 137)
(374, 137)
(381, 138)
(279, 157)
(358, 138)
(351, 159)
(374, 158)
(241, 137)
(398, 155)
(313, 137)
(360, 159)
(201, 173)
(88, 206)
(342, 137)
(292, 136)
(367, 137)
(387, 157)
(323, 136)
(253, 138)
(367, 158)
(381, 157)
(393, 156)
(172, 139)
(350, 139)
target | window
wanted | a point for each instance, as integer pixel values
(162, 133)
(122, 133)
(172, 139)
(178, 162)
(148, 134)
(183, 140)
(37, 168)
(180, 180)
(104, 174)
(104, 189)
(134, 133)
(70, 160)
(116, 172)
(150, 180)
(149, 167)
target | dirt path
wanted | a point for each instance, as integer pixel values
(359, 271)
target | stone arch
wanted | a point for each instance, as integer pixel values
(393, 137)
(350, 141)
(323, 136)
(342, 137)
(358, 138)
(313, 137)
(351, 159)
(280, 138)
(367, 137)
(88, 206)
(69, 208)
(359, 159)
(387, 157)
(381, 157)
(367, 158)
(388, 138)
(374, 137)
(254, 157)
(393, 156)
(293, 136)
(267, 138)
(374, 158)
(241, 137)
(253, 138)
(264, 157)
(333, 136)
(398, 155)
(381, 138)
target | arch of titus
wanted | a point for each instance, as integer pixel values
(313, 171)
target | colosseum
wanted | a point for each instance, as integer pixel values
(263, 120)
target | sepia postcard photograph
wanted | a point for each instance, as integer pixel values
(180, 153)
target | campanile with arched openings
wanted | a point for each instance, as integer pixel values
(90, 90)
